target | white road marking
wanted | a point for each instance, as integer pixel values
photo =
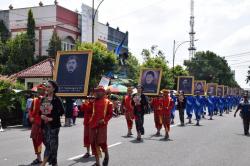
(14, 126)
(79, 156)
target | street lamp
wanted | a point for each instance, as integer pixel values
(94, 12)
(175, 50)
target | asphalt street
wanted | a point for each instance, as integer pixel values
(219, 142)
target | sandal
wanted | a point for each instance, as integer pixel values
(87, 155)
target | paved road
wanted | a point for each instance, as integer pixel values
(216, 143)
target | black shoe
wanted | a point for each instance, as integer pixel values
(247, 133)
(36, 162)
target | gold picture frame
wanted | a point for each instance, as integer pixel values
(86, 73)
(191, 85)
(212, 85)
(204, 83)
(153, 89)
(222, 88)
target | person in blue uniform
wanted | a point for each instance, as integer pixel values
(244, 106)
(220, 105)
(189, 108)
(198, 108)
(174, 98)
(210, 106)
(203, 103)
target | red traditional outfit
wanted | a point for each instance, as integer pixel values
(36, 130)
(167, 105)
(86, 107)
(128, 111)
(102, 110)
(157, 107)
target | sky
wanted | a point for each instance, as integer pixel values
(221, 26)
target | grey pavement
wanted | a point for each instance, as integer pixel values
(219, 142)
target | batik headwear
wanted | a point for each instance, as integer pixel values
(100, 89)
(164, 91)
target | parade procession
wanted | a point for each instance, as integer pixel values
(77, 91)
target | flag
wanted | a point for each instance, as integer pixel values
(119, 47)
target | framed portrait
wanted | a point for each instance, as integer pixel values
(186, 84)
(225, 90)
(212, 89)
(229, 92)
(72, 71)
(220, 90)
(200, 87)
(150, 79)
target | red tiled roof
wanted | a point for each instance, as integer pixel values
(41, 69)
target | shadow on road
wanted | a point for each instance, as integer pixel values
(83, 160)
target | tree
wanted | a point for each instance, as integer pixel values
(103, 61)
(55, 45)
(4, 32)
(212, 68)
(31, 25)
(20, 54)
(156, 59)
(179, 71)
(248, 75)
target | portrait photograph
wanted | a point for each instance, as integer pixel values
(225, 90)
(220, 90)
(186, 84)
(72, 70)
(229, 92)
(212, 89)
(150, 79)
(200, 87)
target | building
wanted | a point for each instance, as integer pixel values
(69, 25)
(105, 34)
(37, 74)
(48, 19)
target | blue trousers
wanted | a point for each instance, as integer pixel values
(189, 111)
(198, 112)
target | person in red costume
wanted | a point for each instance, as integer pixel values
(128, 110)
(102, 111)
(35, 119)
(86, 107)
(167, 105)
(157, 107)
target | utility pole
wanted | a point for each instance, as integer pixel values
(94, 12)
(192, 48)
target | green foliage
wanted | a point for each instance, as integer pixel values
(103, 61)
(8, 98)
(155, 59)
(31, 25)
(20, 54)
(212, 68)
(4, 32)
(179, 71)
(55, 45)
(133, 67)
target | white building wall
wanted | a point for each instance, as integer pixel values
(36, 81)
(44, 16)
(86, 29)
(46, 36)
